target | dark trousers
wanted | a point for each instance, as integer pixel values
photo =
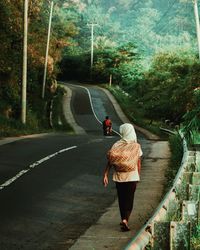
(125, 192)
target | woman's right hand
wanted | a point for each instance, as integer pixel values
(105, 180)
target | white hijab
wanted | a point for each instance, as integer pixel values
(127, 132)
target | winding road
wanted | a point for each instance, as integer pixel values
(51, 185)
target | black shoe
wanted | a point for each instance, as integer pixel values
(124, 227)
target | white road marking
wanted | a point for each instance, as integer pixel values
(8, 182)
(91, 104)
(90, 98)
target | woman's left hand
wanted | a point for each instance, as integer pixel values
(139, 166)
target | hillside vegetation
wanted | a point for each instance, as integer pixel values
(147, 50)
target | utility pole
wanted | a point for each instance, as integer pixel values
(47, 51)
(24, 71)
(92, 45)
(196, 13)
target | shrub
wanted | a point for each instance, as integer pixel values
(176, 148)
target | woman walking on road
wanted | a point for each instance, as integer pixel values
(124, 157)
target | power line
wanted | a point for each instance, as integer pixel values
(163, 28)
(165, 14)
(162, 17)
(136, 2)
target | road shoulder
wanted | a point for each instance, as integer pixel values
(125, 119)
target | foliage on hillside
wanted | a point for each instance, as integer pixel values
(11, 48)
(127, 35)
(168, 86)
(168, 90)
(158, 68)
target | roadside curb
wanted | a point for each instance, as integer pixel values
(17, 138)
(68, 113)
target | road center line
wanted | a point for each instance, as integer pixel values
(11, 180)
(91, 104)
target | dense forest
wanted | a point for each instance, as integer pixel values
(146, 49)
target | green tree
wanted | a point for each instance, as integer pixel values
(11, 35)
(169, 85)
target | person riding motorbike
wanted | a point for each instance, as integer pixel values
(107, 126)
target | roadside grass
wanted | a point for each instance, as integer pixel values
(176, 148)
(195, 239)
(38, 118)
(136, 114)
(11, 127)
(59, 122)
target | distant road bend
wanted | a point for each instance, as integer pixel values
(51, 191)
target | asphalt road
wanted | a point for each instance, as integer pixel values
(52, 202)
